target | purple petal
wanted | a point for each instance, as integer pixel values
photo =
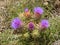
(31, 26)
(16, 23)
(38, 10)
(45, 23)
(26, 9)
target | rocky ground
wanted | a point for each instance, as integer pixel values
(2, 14)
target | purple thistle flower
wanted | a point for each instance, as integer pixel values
(26, 10)
(16, 23)
(44, 23)
(38, 10)
(31, 26)
(27, 13)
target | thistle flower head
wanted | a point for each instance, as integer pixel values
(31, 26)
(44, 24)
(38, 10)
(16, 23)
(26, 10)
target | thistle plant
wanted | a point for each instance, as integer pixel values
(29, 29)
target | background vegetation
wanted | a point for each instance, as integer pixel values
(14, 8)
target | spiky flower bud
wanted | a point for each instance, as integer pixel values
(31, 26)
(35, 33)
(26, 35)
(27, 13)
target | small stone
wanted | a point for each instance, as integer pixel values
(56, 42)
(46, 3)
(0, 32)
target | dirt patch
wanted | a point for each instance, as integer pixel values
(56, 42)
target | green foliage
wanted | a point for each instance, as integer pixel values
(46, 37)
